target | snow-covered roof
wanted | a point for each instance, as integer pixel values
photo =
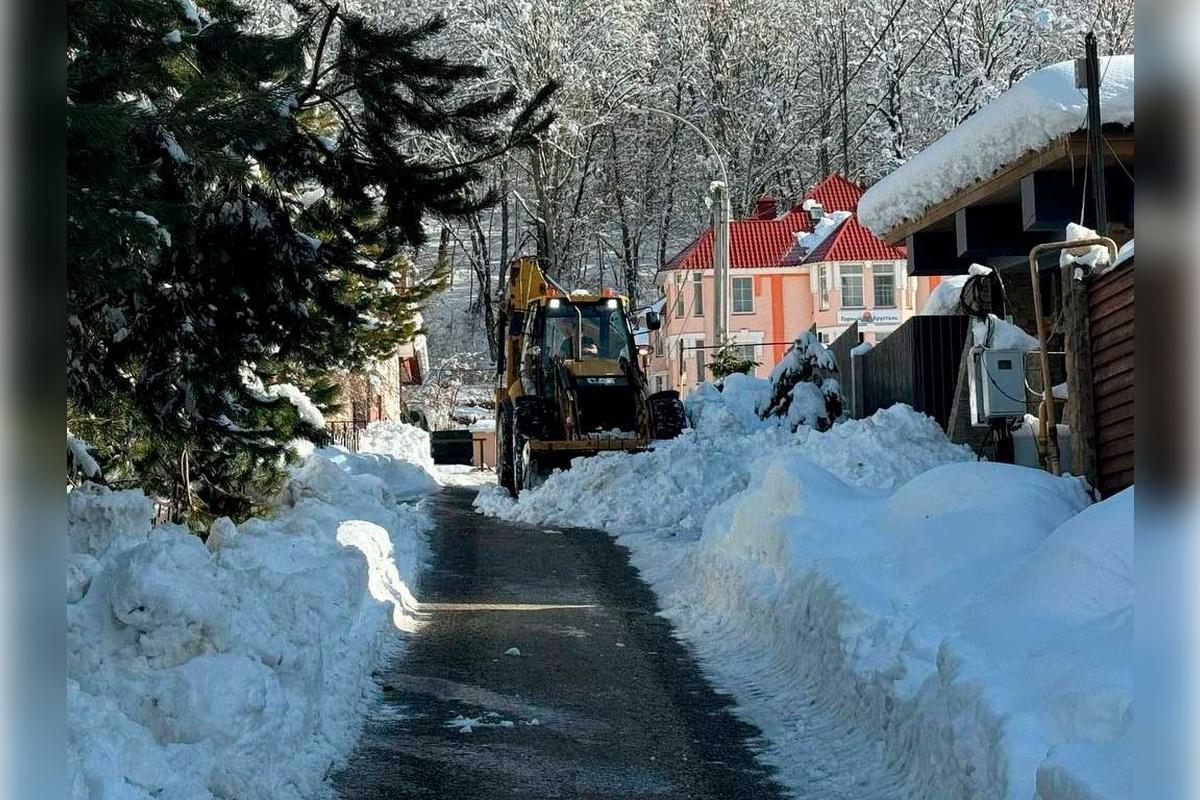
(850, 241)
(1045, 105)
(756, 243)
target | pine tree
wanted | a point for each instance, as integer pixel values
(804, 386)
(728, 360)
(236, 199)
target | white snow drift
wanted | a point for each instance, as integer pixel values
(1040, 108)
(896, 619)
(241, 668)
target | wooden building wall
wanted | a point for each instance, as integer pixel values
(1110, 312)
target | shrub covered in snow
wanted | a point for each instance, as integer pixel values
(241, 668)
(804, 389)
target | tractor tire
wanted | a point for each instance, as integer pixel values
(505, 469)
(666, 414)
(533, 420)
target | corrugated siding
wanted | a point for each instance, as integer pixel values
(1110, 307)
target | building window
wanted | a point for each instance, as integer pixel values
(852, 286)
(745, 352)
(697, 294)
(743, 296)
(699, 351)
(884, 277)
(658, 383)
(823, 286)
(679, 299)
(658, 343)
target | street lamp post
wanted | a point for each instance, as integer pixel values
(722, 214)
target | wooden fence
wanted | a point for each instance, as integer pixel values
(344, 433)
(916, 364)
(841, 348)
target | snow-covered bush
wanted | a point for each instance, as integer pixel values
(240, 668)
(804, 386)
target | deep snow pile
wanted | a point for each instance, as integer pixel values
(895, 618)
(974, 620)
(406, 443)
(1040, 108)
(240, 667)
(672, 487)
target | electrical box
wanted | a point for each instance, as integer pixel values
(997, 385)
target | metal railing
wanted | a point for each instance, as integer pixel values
(343, 433)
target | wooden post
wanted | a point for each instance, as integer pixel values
(1081, 408)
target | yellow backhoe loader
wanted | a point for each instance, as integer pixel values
(569, 379)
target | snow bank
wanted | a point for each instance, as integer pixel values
(1040, 108)
(399, 440)
(972, 621)
(672, 487)
(731, 407)
(241, 668)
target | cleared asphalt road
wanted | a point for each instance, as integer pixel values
(602, 701)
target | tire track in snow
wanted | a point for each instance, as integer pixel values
(808, 733)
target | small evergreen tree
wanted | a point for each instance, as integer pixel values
(729, 360)
(804, 386)
(235, 202)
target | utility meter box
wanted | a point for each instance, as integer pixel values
(998, 385)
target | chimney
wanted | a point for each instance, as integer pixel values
(764, 208)
(815, 210)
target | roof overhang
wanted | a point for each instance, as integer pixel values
(997, 220)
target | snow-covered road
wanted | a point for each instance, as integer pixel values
(602, 700)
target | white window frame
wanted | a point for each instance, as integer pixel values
(855, 270)
(823, 287)
(878, 271)
(698, 294)
(733, 309)
(699, 359)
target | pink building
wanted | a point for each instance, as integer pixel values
(811, 264)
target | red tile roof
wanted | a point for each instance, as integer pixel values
(835, 193)
(771, 242)
(752, 243)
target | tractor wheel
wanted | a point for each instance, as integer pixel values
(505, 471)
(528, 473)
(666, 414)
(532, 421)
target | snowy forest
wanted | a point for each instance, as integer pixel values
(786, 93)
